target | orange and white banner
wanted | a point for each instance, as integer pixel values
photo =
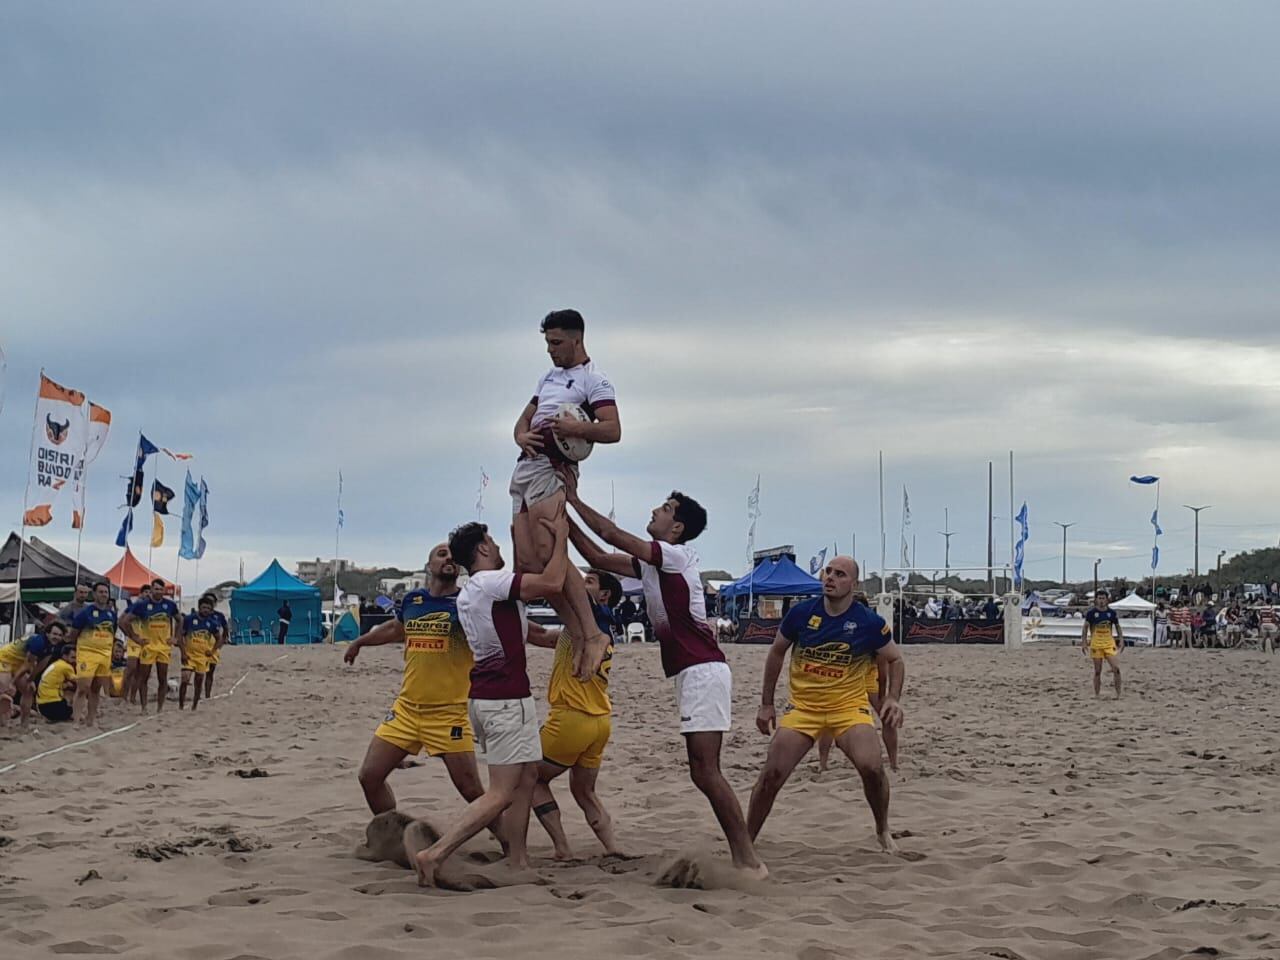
(96, 438)
(60, 433)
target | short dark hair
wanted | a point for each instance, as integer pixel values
(610, 583)
(55, 623)
(691, 513)
(102, 583)
(159, 581)
(463, 542)
(210, 596)
(563, 320)
(1102, 593)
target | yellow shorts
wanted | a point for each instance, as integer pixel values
(438, 730)
(215, 656)
(117, 683)
(197, 661)
(814, 723)
(132, 649)
(156, 653)
(571, 738)
(1100, 651)
(92, 663)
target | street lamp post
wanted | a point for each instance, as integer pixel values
(1095, 577)
(1196, 511)
(947, 534)
(1064, 527)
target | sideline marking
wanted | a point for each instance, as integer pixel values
(129, 726)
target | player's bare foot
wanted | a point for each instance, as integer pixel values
(707, 873)
(887, 843)
(564, 855)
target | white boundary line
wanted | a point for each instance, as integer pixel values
(126, 727)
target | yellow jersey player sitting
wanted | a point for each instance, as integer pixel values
(58, 686)
(834, 643)
(577, 729)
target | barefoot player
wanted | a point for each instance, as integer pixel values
(578, 727)
(834, 642)
(154, 622)
(224, 634)
(1102, 640)
(502, 711)
(431, 711)
(537, 491)
(200, 632)
(668, 569)
(93, 632)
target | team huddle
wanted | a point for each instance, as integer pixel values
(65, 669)
(466, 683)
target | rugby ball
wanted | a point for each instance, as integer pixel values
(573, 448)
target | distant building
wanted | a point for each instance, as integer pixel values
(399, 586)
(317, 570)
(775, 553)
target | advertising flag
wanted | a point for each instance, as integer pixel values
(56, 451)
(157, 530)
(160, 497)
(95, 440)
(817, 562)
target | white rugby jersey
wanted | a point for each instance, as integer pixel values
(586, 385)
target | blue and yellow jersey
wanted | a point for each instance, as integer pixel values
(565, 690)
(97, 628)
(154, 623)
(13, 655)
(1102, 627)
(201, 633)
(832, 656)
(437, 659)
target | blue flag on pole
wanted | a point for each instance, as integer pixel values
(1144, 480)
(133, 493)
(190, 497)
(1023, 537)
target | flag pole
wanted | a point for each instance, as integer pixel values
(337, 540)
(1011, 550)
(882, 540)
(22, 532)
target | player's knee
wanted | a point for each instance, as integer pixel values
(772, 778)
(369, 778)
(705, 775)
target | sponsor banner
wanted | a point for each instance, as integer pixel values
(58, 449)
(952, 631)
(757, 629)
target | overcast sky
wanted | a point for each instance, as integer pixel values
(294, 238)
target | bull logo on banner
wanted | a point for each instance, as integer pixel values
(57, 432)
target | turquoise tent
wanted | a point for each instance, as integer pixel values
(254, 607)
(346, 629)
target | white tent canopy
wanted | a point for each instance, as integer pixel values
(1133, 603)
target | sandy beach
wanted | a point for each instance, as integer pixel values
(1052, 826)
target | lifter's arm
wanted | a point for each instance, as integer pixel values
(540, 636)
(389, 631)
(767, 716)
(621, 564)
(602, 526)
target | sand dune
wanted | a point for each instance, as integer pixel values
(1050, 825)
